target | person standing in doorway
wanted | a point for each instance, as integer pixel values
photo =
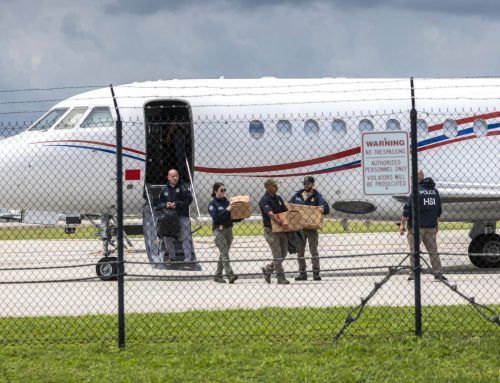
(177, 197)
(219, 209)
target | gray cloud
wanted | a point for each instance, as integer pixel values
(485, 8)
(76, 43)
(148, 7)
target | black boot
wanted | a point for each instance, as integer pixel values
(316, 276)
(302, 276)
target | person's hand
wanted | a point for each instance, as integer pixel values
(284, 224)
(401, 229)
(437, 228)
(170, 205)
(322, 209)
(229, 207)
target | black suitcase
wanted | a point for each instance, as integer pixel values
(167, 224)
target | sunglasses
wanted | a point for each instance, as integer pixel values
(222, 190)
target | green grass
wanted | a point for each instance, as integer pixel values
(267, 345)
(245, 228)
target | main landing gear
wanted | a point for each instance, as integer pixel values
(484, 249)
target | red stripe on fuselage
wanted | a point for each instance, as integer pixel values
(272, 168)
(465, 120)
(90, 142)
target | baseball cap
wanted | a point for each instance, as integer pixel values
(308, 180)
(271, 181)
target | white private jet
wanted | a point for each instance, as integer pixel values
(240, 131)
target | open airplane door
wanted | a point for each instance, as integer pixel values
(169, 145)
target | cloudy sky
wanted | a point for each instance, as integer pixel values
(61, 43)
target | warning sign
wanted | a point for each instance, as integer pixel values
(385, 157)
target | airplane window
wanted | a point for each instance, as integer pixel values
(256, 129)
(450, 128)
(284, 127)
(421, 127)
(392, 124)
(365, 125)
(72, 118)
(99, 117)
(339, 126)
(480, 127)
(48, 120)
(311, 127)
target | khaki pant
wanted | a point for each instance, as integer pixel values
(428, 237)
(310, 236)
(223, 240)
(278, 242)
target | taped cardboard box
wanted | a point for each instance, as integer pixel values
(312, 217)
(291, 217)
(241, 207)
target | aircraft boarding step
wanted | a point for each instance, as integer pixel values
(155, 248)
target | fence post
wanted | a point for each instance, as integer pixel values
(119, 225)
(415, 213)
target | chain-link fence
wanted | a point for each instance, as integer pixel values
(58, 229)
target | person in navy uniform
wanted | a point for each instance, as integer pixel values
(308, 195)
(219, 209)
(176, 196)
(270, 205)
(430, 210)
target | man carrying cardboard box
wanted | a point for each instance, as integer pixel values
(311, 197)
(270, 205)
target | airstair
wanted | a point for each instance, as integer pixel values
(155, 247)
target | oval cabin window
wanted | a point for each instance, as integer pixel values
(256, 129)
(450, 128)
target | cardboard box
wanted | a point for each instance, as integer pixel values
(241, 207)
(292, 217)
(312, 217)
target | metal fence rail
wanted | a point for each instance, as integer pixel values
(52, 286)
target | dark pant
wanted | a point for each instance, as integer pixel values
(310, 236)
(223, 240)
(278, 242)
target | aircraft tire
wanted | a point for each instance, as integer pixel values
(106, 269)
(489, 245)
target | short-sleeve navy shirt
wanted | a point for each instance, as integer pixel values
(271, 203)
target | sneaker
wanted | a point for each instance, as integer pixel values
(440, 277)
(301, 277)
(411, 277)
(219, 279)
(316, 277)
(233, 278)
(283, 281)
(267, 275)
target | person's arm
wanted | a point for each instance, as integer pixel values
(212, 210)
(187, 198)
(402, 225)
(162, 201)
(406, 215)
(325, 209)
(275, 218)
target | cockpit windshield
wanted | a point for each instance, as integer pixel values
(72, 118)
(48, 120)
